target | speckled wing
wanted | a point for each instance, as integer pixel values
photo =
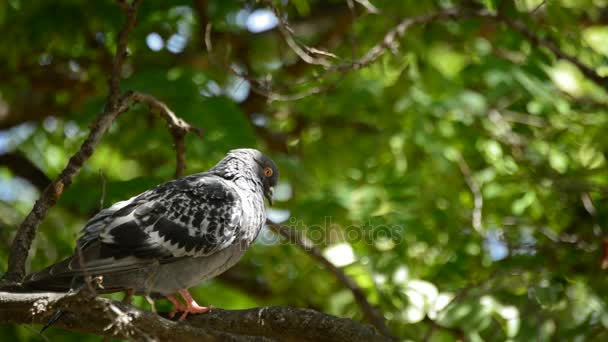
(194, 216)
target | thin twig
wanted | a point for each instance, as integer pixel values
(102, 198)
(542, 3)
(121, 52)
(391, 38)
(353, 34)
(476, 219)
(262, 88)
(372, 314)
(390, 41)
(177, 126)
(290, 39)
(368, 6)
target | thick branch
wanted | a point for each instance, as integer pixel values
(287, 324)
(84, 313)
(369, 310)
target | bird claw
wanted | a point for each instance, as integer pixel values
(195, 309)
(191, 306)
(177, 306)
(172, 313)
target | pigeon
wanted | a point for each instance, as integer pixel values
(173, 236)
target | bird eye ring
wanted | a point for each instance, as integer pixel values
(267, 172)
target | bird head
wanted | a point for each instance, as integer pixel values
(262, 167)
(268, 173)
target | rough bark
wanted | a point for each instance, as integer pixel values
(105, 317)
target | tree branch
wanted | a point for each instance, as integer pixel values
(369, 310)
(178, 128)
(82, 313)
(304, 52)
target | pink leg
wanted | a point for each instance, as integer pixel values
(193, 307)
(177, 305)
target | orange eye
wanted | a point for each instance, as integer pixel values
(267, 172)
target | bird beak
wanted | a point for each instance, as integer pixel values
(268, 194)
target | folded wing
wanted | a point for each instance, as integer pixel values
(194, 216)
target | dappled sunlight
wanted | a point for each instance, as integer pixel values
(340, 254)
(155, 41)
(261, 20)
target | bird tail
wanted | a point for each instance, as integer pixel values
(58, 277)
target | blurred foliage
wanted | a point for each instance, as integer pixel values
(380, 169)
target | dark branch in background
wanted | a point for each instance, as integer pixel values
(81, 313)
(372, 314)
(241, 277)
(23, 167)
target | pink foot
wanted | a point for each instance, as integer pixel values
(177, 305)
(192, 306)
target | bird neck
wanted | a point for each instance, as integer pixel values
(237, 170)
